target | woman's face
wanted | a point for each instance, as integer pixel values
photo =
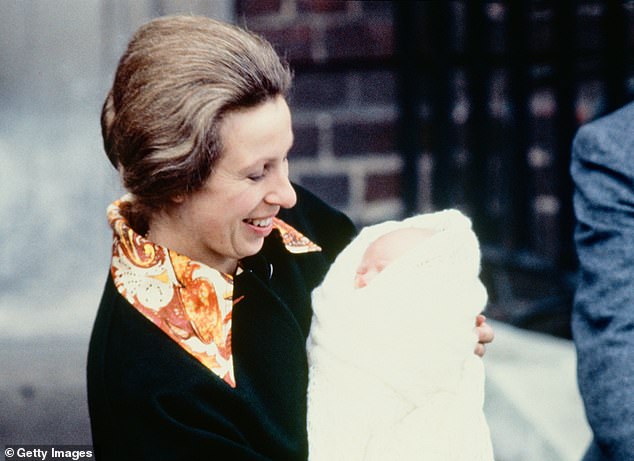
(231, 215)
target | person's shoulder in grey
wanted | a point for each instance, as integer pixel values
(602, 168)
(608, 139)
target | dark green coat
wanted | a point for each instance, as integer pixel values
(150, 400)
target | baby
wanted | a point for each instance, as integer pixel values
(392, 372)
(386, 249)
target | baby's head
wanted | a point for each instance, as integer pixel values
(386, 249)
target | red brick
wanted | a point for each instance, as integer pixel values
(378, 87)
(322, 6)
(371, 38)
(382, 186)
(361, 138)
(306, 142)
(333, 189)
(258, 7)
(293, 42)
(318, 90)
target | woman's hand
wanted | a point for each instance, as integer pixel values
(485, 335)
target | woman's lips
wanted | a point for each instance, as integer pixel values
(262, 226)
(262, 222)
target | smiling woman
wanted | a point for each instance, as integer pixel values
(229, 217)
(198, 348)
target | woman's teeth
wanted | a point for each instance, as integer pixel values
(260, 222)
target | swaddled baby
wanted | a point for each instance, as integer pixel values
(392, 372)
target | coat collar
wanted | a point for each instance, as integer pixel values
(189, 301)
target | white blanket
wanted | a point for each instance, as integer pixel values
(392, 369)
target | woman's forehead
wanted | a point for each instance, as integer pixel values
(263, 132)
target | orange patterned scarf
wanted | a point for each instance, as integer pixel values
(188, 300)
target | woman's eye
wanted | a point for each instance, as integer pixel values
(259, 174)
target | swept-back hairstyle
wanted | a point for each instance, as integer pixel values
(176, 80)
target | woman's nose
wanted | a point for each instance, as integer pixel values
(282, 193)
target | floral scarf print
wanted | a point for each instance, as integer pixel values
(189, 301)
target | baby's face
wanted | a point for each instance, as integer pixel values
(386, 249)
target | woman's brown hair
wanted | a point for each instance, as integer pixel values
(177, 79)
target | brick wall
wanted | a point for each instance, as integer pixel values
(500, 89)
(343, 100)
(496, 109)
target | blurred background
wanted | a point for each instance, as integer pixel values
(399, 107)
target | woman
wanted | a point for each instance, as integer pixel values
(198, 349)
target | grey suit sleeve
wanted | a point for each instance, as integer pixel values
(603, 315)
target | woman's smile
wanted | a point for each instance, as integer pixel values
(261, 226)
